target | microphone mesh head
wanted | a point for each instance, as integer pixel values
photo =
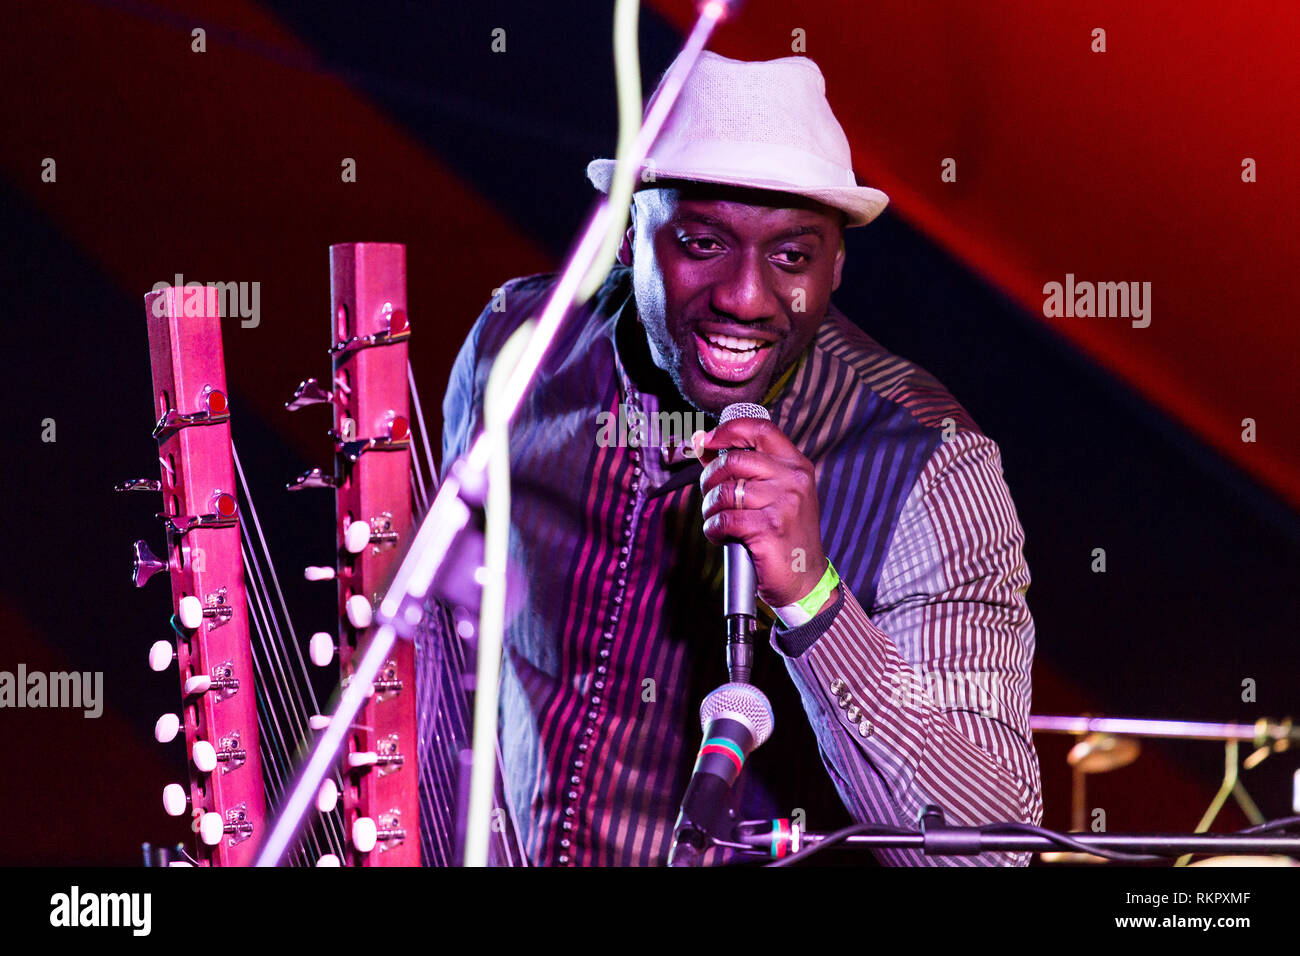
(743, 410)
(742, 702)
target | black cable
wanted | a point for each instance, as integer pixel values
(1062, 839)
(839, 836)
(1281, 823)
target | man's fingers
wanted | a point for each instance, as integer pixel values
(749, 433)
(740, 463)
(732, 525)
(756, 494)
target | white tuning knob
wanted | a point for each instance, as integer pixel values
(205, 756)
(327, 797)
(356, 536)
(316, 573)
(175, 799)
(321, 648)
(211, 827)
(364, 758)
(318, 721)
(190, 612)
(198, 684)
(165, 730)
(160, 655)
(179, 863)
(329, 859)
(364, 834)
(359, 611)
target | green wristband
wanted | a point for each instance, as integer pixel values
(804, 610)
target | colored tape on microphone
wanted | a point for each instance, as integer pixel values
(720, 745)
(781, 837)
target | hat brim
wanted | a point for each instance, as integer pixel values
(860, 204)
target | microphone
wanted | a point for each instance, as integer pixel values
(737, 720)
(739, 584)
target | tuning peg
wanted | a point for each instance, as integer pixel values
(205, 756)
(139, 484)
(321, 648)
(356, 536)
(364, 834)
(175, 799)
(145, 564)
(166, 729)
(318, 573)
(198, 684)
(211, 828)
(359, 611)
(329, 859)
(308, 392)
(377, 531)
(388, 757)
(161, 655)
(190, 611)
(318, 721)
(202, 683)
(327, 797)
(313, 478)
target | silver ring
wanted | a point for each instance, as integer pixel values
(740, 493)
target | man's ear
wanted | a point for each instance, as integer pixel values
(839, 265)
(629, 241)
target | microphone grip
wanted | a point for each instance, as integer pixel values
(740, 582)
(739, 599)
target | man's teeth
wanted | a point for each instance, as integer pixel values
(747, 346)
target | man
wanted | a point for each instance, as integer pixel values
(883, 536)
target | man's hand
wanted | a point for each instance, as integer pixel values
(777, 516)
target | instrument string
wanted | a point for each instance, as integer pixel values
(273, 750)
(441, 734)
(279, 746)
(445, 730)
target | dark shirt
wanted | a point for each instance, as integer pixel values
(913, 688)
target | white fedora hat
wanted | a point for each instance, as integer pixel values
(764, 125)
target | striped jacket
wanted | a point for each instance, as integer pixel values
(914, 688)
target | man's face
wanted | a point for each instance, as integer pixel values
(731, 285)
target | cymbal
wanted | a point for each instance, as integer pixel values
(1098, 753)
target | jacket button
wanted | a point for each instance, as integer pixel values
(845, 698)
(837, 686)
(853, 713)
(866, 729)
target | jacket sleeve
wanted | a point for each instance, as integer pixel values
(926, 699)
(460, 404)
(512, 304)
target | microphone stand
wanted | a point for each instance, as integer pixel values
(448, 519)
(776, 839)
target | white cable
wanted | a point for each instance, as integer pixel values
(492, 614)
(627, 83)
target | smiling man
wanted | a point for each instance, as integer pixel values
(885, 543)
